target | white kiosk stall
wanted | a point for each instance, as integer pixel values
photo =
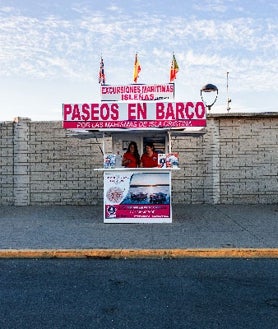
(137, 195)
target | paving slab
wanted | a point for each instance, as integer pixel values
(194, 227)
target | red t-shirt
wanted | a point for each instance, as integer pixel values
(129, 156)
(149, 162)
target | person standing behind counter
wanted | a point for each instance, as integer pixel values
(131, 158)
(150, 158)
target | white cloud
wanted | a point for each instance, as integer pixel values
(211, 5)
(69, 46)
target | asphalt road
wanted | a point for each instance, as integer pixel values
(158, 293)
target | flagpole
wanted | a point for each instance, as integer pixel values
(174, 81)
(101, 77)
(228, 98)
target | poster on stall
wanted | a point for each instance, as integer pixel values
(169, 160)
(137, 197)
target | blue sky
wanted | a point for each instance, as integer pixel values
(50, 51)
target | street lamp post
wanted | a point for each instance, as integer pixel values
(209, 101)
(228, 98)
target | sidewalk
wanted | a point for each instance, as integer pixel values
(72, 231)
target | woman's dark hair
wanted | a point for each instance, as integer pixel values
(136, 153)
(150, 144)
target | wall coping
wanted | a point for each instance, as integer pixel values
(240, 115)
(209, 115)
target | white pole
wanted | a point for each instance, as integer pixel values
(169, 142)
(103, 145)
(228, 98)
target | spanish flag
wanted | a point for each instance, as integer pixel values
(137, 69)
(174, 69)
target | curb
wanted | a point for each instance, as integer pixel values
(140, 253)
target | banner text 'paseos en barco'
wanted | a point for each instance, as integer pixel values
(146, 115)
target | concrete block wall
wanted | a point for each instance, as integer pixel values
(6, 163)
(188, 183)
(249, 159)
(62, 167)
(234, 162)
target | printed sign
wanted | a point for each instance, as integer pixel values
(170, 160)
(137, 92)
(147, 115)
(137, 197)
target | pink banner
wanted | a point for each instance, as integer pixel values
(135, 124)
(134, 115)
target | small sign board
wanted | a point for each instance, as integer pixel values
(137, 92)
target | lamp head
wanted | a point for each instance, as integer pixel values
(209, 102)
(209, 87)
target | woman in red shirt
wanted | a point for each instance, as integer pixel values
(150, 158)
(131, 158)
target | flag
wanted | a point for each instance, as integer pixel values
(174, 69)
(101, 77)
(137, 69)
